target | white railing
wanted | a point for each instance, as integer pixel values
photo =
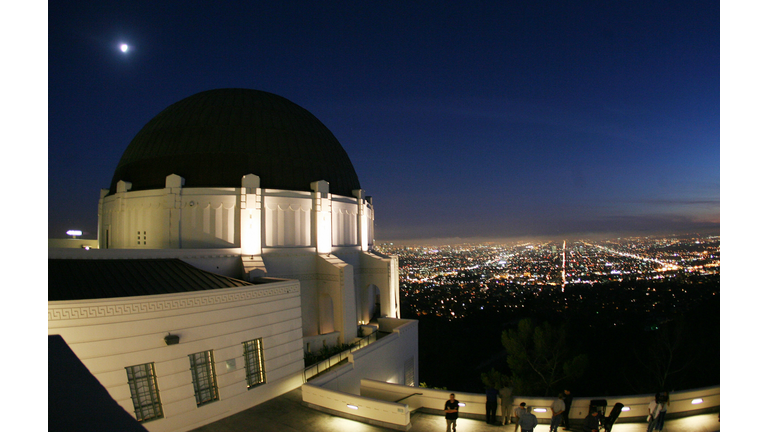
(682, 403)
(391, 415)
(323, 365)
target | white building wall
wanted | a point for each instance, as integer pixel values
(287, 219)
(290, 240)
(376, 276)
(299, 264)
(136, 220)
(209, 218)
(195, 218)
(111, 334)
(337, 280)
(146, 219)
(345, 211)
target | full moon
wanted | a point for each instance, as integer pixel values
(124, 47)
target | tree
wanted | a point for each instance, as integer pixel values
(667, 357)
(495, 379)
(539, 357)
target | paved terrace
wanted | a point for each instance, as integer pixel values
(287, 414)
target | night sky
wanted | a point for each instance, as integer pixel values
(467, 120)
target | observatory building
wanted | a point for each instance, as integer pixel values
(233, 239)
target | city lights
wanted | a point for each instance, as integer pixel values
(455, 281)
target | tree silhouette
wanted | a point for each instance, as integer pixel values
(667, 356)
(539, 357)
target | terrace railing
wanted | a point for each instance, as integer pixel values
(326, 364)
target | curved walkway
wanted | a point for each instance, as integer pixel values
(287, 414)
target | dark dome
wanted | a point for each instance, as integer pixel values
(214, 138)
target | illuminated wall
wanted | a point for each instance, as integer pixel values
(287, 220)
(345, 217)
(109, 335)
(249, 217)
(322, 240)
(209, 219)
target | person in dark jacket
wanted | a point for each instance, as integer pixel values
(528, 421)
(568, 401)
(491, 405)
(592, 422)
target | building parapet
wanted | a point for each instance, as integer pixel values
(377, 412)
(432, 401)
(324, 365)
(390, 358)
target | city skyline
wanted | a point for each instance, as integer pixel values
(495, 121)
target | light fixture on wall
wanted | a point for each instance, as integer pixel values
(352, 406)
(171, 339)
(462, 404)
(697, 401)
(540, 410)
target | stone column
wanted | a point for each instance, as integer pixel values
(173, 185)
(321, 217)
(362, 219)
(250, 227)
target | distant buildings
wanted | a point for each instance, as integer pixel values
(454, 281)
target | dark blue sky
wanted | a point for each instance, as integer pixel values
(463, 119)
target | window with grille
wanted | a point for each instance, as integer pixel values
(144, 393)
(204, 377)
(253, 351)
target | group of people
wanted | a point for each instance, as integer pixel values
(521, 415)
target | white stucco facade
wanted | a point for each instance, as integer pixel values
(109, 335)
(321, 239)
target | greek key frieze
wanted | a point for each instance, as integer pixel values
(309, 277)
(83, 312)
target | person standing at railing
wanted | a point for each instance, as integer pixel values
(491, 405)
(660, 404)
(519, 411)
(507, 404)
(654, 410)
(558, 407)
(528, 421)
(451, 413)
(568, 401)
